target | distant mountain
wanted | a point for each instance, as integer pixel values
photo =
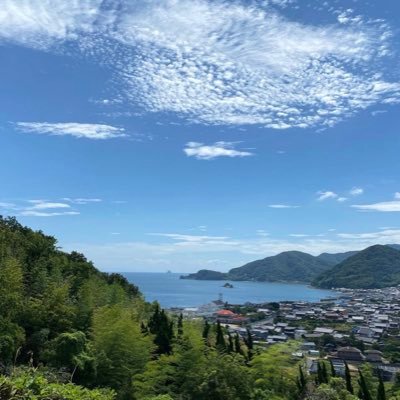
(206, 275)
(336, 258)
(290, 266)
(375, 267)
(394, 246)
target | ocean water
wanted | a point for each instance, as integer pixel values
(170, 291)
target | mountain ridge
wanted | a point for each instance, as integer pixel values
(288, 266)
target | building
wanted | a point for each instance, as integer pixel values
(350, 354)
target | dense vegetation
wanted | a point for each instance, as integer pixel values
(70, 332)
(289, 266)
(375, 267)
(336, 258)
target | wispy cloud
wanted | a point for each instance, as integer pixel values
(356, 191)
(34, 213)
(216, 150)
(282, 206)
(82, 200)
(218, 62)
(78, 130)
(384, 206)
(45, 205)
(325, 195)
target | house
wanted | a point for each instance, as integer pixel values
(350, 354)
(373, 356)
(324, 331)
(339, 366)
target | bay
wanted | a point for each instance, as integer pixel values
(170, 291)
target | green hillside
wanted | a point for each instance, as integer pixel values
(336, 258)
(206, 275)
(375, 267)
(289, 266)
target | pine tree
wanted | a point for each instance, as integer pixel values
(381, 389)
(162, 329)
(180, 325)
(333, 372)
(206, 331)
(325, 373)
(238, 347)
(301, 381)
(231, 347)
(364, 391)
(249, 344)
(220, 340)
(349, 385)
(320, 375)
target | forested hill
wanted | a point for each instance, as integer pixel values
(289, 266)
(56, 309)
(375, 267)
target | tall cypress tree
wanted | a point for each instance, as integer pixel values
(249, 344)
(381, 389)
(364, 391)
(220, 340)
(206, 330)
(349, 385)
(324, 373)
(180, 325)
(231, 347)
(238, 347)
(333, 372)
(301, 381)
(320, 374)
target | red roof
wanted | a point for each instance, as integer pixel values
(225, 313)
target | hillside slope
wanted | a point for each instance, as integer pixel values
(289, 266)
(375, 267)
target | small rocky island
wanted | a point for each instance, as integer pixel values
(228, 285)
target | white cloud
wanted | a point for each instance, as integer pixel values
(282, 206)
(326, 195)
(78, 130)
(43, 23)
(385, 206)
(218, 62)
(34, 213)
(216, 150)
(342, 199)
(356, 191)
(82, 200)
(44, 205)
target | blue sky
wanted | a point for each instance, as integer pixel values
(185, 134)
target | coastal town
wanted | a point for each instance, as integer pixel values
(351, 329)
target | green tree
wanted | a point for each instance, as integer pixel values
(121, 349)
(349, 384)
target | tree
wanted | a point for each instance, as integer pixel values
(249, 344)
(120, 348)
(220, 340)
(162, 329)
(349, 385)
(364, 392)
(180, 325)
(238, 347)
(381, 389)
(206, 331)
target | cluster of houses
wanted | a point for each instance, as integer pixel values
(364, 316)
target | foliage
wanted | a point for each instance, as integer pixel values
(360, 270)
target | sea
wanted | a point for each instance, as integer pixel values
(171, 291)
